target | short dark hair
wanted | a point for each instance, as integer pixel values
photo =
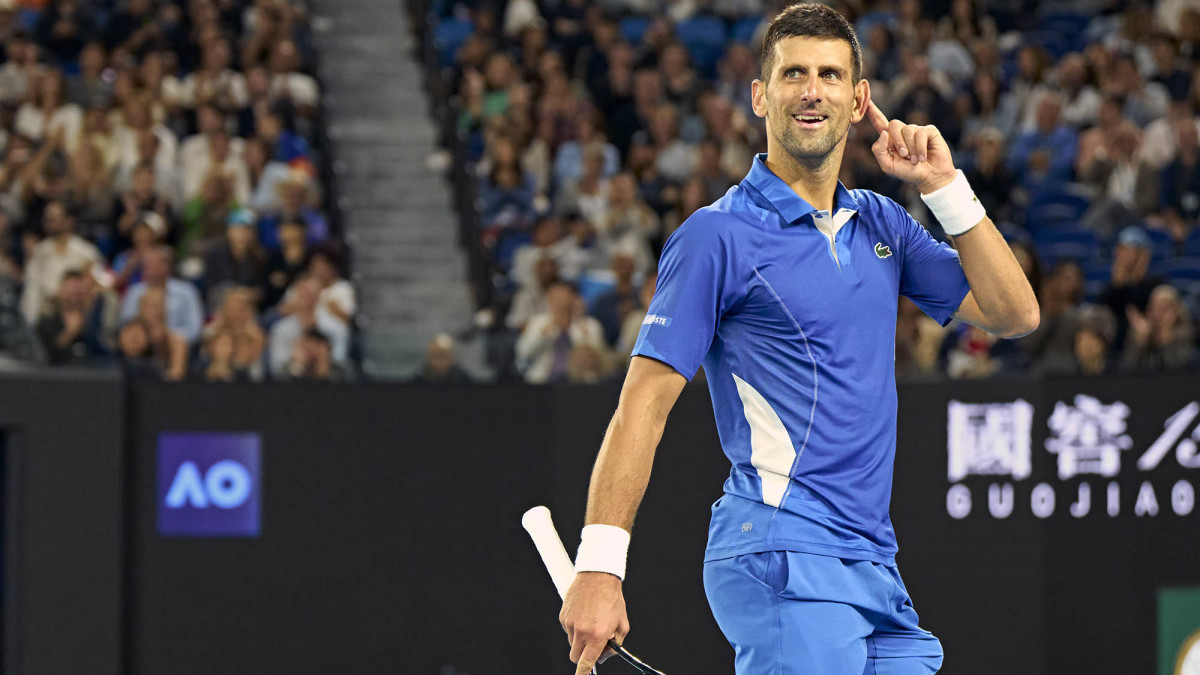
(808, 19)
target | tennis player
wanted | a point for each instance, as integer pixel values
(785, 290)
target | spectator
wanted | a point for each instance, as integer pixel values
(1167, 70)
(985, 108)
(265, 176)
(183, 310)
(675, 158)
(1046, 154)
(990, 177)
(285, 263)
(141, 198)
(589, 194)
(629, 224)
(89, 89)
(1161, 340)
(217, 156)
(506, 197)
(21, 70)
(286, 145)
(1131, 284)
(287, 332)
(215, 82)
(195, 151)
(631, 327)
(90, 186)
(1180, 200)
(969, 353)
(61, 251)
(1094, 341)
(147, 234)
(544, 349)
(1159, 141)
(546, 241)
(568, 163)
(917, 340)
(288, 83)
(167, 347)
(612, 306)
(1128, 186)
(692, 197)
(140, 138)
(72, 332)
(134, 353)
(218, 360)
(312, 359)
(1096, 143)
(297, 200)
(441, 365)
(530, 298)
(336, 299)
(205, 215)
(49, 111)
(1051, 348)
(237, 322)
(1080, 100)
(1144, 101)
(238, 261)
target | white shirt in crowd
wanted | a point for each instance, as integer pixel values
(46, 268)
(537, 347)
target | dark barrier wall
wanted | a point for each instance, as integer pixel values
(63, 453)
(390, 537)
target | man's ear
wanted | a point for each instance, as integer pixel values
(758, 98)
(862, 101)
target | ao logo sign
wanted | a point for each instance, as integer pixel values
(227, 485)
(209, 484)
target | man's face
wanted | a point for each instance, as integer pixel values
(156, 268)
(809, 100)
(55, 220)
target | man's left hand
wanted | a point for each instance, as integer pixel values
(917, 155)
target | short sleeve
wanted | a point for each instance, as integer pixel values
(689, 299)
(931, 274)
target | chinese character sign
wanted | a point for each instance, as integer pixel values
(989, 439)
(1088, 437)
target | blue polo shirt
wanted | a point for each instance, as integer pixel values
(792, 313)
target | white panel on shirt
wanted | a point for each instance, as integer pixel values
(771, 451)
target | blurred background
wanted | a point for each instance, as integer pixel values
(276, 278)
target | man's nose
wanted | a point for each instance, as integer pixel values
(812, 90)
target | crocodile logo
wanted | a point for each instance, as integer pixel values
(882, 251)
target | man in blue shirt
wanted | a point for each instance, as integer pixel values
(785, 290)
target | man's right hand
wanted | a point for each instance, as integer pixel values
(593, 612)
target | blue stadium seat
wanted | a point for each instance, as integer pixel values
(704, 37)
(1057, 205)
(1191, 245)
(1065, 242)
(449, 36)
(1054, 43)
(743, 31)
(1183, 270)
(633, 28)
(1097, 274)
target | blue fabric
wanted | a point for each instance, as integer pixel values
(750, 288)
(788, 613)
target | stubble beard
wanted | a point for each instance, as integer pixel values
(814, 152)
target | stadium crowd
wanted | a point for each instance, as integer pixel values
(160, 200)
(597, 128)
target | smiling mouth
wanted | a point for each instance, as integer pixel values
(810, 121)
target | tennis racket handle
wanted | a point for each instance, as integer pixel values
(540, 526)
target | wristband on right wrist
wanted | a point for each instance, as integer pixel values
(955, 206)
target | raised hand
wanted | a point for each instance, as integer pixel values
(917, 155)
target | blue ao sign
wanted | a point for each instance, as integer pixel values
(209, 484)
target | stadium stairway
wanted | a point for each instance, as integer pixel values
(406, 264)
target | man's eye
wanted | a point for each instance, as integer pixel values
(791, 73)
(830, 75)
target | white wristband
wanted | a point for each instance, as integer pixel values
(955, 206)
(602, 548)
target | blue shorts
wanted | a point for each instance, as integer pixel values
(788, 613)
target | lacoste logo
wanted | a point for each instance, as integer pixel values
(882, 251)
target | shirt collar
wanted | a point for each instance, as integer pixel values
(784, 199)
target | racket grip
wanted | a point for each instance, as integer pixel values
(540, 526)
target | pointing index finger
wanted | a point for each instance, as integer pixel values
(876, 117)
